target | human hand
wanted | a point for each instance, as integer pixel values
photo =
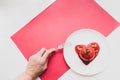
(37, 64)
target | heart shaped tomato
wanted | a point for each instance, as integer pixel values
(87, 53)
(95, 46)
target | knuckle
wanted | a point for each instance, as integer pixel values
(47, 51)
(41, 62)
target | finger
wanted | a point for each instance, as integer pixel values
(41, 52)
(47, 53)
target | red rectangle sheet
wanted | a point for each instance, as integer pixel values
(51, 28)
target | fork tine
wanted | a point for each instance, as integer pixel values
(61, 46)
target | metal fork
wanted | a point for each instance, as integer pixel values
(61, 46)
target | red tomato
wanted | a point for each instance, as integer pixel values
(85, 53)
(89, 52)
(80, 49)
(95, 46)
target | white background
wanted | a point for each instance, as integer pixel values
(14, 14)
(112, 7)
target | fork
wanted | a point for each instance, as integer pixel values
(61, 46)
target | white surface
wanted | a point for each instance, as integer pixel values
(86, 36)
(112, 7)
(112, 72)
(14, 14)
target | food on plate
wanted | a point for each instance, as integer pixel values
(87, 53)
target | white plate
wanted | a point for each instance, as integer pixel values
(86, 36)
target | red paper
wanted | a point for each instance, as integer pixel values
(55, 24)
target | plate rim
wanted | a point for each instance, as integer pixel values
(73, 34)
